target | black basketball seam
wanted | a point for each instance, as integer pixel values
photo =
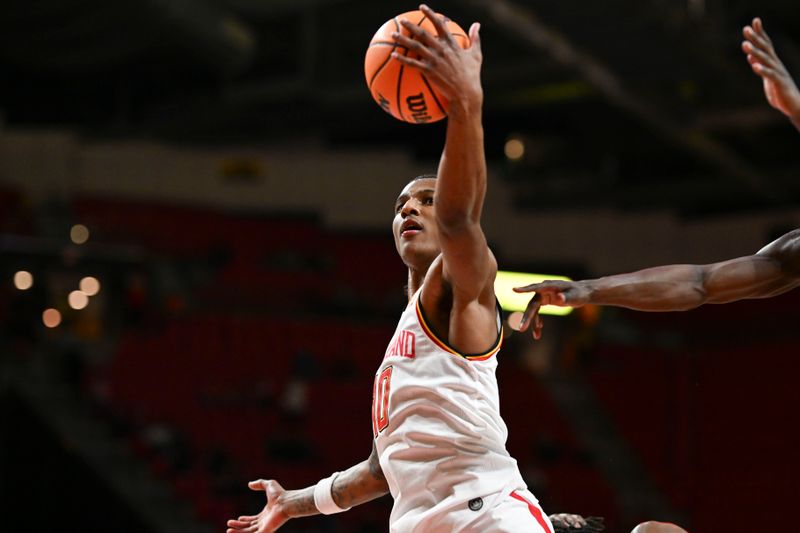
(385, 61)
(433, 93)
(387, 43)
(400, 76)
(399, 79)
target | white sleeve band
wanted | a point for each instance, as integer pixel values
(323, 498)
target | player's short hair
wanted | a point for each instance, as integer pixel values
(424, 177)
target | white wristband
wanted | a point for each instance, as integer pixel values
(323, 498)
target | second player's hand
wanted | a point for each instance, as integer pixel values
(779, 87)
(560, 293)
(271, 517)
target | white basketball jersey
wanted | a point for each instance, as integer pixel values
(438, 431)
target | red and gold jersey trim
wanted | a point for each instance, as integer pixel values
(446, 347)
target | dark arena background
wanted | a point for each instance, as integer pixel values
(198, 281)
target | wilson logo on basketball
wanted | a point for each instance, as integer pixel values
(419, 108)
(402, 345)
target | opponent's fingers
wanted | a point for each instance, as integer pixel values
(412, 44)
(757, 40)
(411, 62)
(239, 524)
(543, 286)
(758, 26)
(766, 72)
(438, 22)
(761, 57)
(530, 311)
(537, 327)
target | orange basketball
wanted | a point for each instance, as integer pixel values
(405, 92)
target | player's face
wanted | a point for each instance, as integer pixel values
(414, 226)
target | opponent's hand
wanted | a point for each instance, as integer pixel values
(560, 293)
(454, 71)
(271, 517)
(779, 87)
(567, 520)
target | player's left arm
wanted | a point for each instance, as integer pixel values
(468, 264)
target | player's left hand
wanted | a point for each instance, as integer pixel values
(779, 87)
(568, 520)
(454, 71)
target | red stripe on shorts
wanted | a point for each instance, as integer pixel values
(535, 511)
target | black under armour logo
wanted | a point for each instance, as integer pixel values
(475, 504)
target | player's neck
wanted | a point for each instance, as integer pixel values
(415, 279)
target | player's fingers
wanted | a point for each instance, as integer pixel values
(235, 525)
(421, 34)
(475, 36)
(412, 44)
(411, 62)
(438, 22)
(258, 484)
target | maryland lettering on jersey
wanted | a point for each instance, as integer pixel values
(403, 345)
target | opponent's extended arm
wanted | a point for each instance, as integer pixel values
(779, 87)
(773, 270)
(356, 485)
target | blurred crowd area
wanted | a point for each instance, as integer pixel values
(224, 347)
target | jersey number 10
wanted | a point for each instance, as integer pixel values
(380, 401)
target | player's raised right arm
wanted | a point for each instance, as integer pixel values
(356, 485)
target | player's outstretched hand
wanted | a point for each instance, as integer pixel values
(553, 292)
(779, 87)
(455, 71)
(271, 516)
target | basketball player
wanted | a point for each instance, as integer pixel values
(439, 440)
(657, 527)
(773, 270)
